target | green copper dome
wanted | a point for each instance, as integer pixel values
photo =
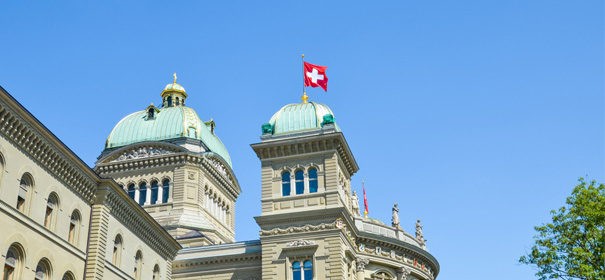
(173, 120)
(298, 117)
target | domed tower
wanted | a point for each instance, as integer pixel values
(310, 223)
(175, 166)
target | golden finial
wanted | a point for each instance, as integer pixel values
(305, 97)
(174, 76)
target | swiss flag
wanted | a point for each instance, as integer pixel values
(315, 76)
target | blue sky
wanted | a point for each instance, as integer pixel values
(477, 117)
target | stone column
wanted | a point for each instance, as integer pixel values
(361, 266)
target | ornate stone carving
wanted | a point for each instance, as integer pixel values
(403, 273)
(142, 152)
(395, 218)
(219, 167)
(361, 264)
(301, 243)
(305, 228)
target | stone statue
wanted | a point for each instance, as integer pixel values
(402, 273)
(395, 219)
(355, 204)
(419, 235)
(361, 264)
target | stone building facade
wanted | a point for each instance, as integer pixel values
(160, 202)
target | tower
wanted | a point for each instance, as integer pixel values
(175, 166)
(307, 213)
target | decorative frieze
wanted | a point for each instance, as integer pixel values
(142, 152)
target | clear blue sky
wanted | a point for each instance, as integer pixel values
(475, 116)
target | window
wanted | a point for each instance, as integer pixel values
(43, 270)
(156, 272)
(52, 207)
(302, 270)
(150, 113)
(25, 188)
(142, 193)
(131, 190)
(68, 276)
(154, 192)
(285, 183)
(169, 101)
(117, 250)
(1, 167)
(299, 178)
(13, 262)
(165, 190)
(313, 186)
(138, 263)
(382, 275)
(74, 227)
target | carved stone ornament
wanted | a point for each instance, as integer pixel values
(219, 167)
(142, 152)
(339, 223)
(361, 264)
(403, 273)
(301, 243)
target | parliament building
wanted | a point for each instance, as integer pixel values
(160, 202)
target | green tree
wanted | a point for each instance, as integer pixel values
(572, 246)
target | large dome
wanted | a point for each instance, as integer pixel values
(299, 117)
(173, 120)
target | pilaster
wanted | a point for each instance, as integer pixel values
(97, 245)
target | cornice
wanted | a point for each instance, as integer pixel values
(26, 132)
(336, 141)
(405, 250)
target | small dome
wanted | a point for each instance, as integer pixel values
(174, 87)
(298, 117)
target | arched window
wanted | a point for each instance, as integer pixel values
(13, 263)
(169, 101)
(296, 271)
(299, 178)
(68, 276)
(302, 270)
(138, 264)
(165, 190)
(150, 113)
(382, 275)
(142, 193)
(285, 183)
(131, 190)
(1, 168)
(308, 270)
(177, 102)
(52, 207)
(117, 251)
(74, 227)
(43, 270)
(156, 272)
(313, 186)
(25, 188)
(154, 192)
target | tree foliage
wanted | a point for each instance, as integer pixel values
(572, 246)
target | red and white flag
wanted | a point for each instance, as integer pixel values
(365, 201)
(315, 76)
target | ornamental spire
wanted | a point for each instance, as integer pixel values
(174, 76)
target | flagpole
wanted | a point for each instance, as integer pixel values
(304, 97)
(365, 199)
